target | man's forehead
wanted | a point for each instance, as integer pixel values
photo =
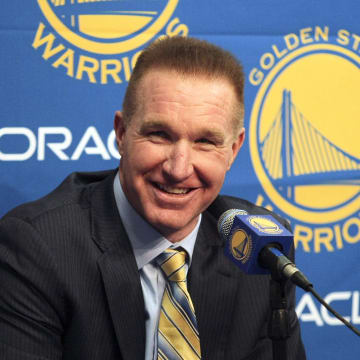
(162, 89)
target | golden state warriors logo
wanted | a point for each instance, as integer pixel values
(304, 129)
(241, 246)
(264, 225)
(105, 28)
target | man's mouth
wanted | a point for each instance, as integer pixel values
(172, 189)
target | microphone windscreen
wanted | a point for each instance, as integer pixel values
(226, 220)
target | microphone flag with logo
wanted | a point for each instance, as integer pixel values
(246, 235)
(258, 244)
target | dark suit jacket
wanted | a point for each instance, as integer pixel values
(70, 288)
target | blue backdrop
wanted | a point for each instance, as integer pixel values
(64, 69)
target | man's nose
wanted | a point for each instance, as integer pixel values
(178, 165)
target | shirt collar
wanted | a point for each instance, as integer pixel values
(146, 241)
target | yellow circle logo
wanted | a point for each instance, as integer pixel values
(107, 26)
(304, 130)
(241, 245)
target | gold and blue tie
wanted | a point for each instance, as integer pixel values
(178, 336)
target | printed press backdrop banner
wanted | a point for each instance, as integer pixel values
(65, 65)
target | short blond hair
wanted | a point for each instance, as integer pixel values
(189, 57)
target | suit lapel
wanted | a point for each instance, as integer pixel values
(213, 290)
(119, 272)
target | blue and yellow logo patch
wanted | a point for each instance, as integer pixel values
(241, 245)
(264, 225)
(304, 134)
(104, 28)
(107, 26)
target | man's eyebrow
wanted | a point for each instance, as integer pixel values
(153, 124)
(214, 134)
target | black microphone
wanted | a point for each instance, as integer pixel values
(258, 244)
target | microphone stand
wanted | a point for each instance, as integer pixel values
(279, 327)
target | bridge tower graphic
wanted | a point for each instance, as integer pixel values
(295, 153)
(119, 18)
(74, 2)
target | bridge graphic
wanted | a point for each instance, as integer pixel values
(74, 2)
(107, 19)
(295, 153)
(94, 5)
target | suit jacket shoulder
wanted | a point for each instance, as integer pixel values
(69, 284)
(73, 190)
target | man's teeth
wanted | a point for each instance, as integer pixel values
(173, 190)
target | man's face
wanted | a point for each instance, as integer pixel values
(177, 149)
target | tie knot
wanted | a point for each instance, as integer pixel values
(172, 263)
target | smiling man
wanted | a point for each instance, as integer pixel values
(128, 264)
(177, 148)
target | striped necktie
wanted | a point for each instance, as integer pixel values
(178, 337)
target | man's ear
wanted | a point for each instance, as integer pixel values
(119, 127)
(236, 146)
